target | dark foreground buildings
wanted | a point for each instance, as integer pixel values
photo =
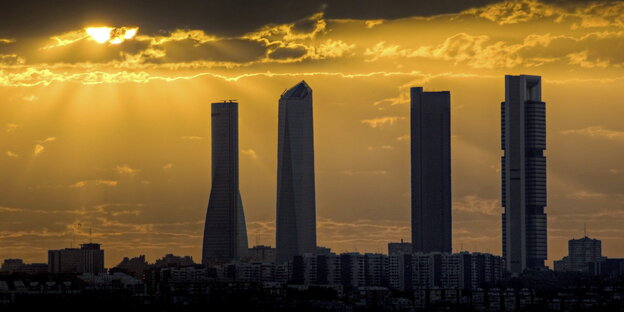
(296, 200)
(523, 136)
(225, 233)
(431, 170)
(89, 258)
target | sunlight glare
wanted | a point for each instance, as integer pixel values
(111, 35)
(100, 34)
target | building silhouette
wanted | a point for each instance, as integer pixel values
(431, 170)
(89, 258)
(296, 203)
(523, 136)
(397, 248)
(261, 253)
(581, 252)
(225, 232)
(12, 266)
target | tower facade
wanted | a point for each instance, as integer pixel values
(583, 251)
(296, 199)
(523, 169)
(431, 170)
(225, 232)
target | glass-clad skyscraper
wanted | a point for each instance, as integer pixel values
(225, 232)
(430, 137)
(296, 203)
(523, 136)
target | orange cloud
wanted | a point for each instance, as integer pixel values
(382, 121)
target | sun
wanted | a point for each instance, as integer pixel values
(112, 35)
(99, 34)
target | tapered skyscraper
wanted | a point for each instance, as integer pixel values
(431, 170)
(523, 136)
(225, 232)
(296, 203)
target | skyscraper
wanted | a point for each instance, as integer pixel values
(431, 170)
(296, 203)
(225, 232)
(523, 136)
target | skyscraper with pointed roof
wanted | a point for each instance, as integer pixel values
(296, 199)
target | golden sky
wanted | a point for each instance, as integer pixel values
(109, 128)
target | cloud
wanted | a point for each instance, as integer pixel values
(112, 35)
(364, 172)
(66, 39)
(46, 140)
(11, 59)
(382, 121)
(288, 53)
(196, 35)
(79, 184)
(382, 147)
(98, 182)
(587, 195)
(582, 59)
(583, 14)
(515, 11)
(477, 204)
(373, 23)
(12, 154)
(37, 77)
(10, 127)
(331, 49)
(106, 182)
(167, 166)
(30, 98)
(250, 153)
(125, 169)
(235, 50)
(38, 149)
(482, 51)
(361, 234)
(192, 138)
(283, 34)
(597, 132)
(476, 51)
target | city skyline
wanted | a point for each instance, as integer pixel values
(107, 128)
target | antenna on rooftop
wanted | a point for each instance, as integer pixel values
(71, 245)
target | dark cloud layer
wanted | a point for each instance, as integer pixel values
(20, 18)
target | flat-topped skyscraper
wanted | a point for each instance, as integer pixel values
(225, 232)
(431, 170)
(523, 138)
(296, 200)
